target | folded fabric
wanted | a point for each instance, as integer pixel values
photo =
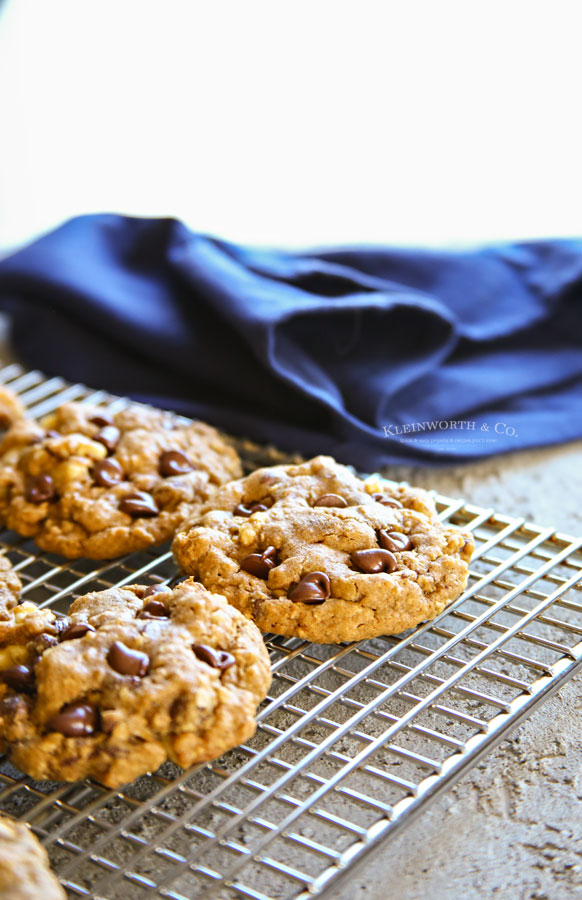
(374, 355)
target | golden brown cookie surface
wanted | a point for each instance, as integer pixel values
(134, 676)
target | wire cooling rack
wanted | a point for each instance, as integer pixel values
(352, 740)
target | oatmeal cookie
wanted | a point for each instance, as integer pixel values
(135, 676)
(313, 551)
(24, 865)
(88, 483)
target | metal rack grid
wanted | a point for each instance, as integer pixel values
(352, 740)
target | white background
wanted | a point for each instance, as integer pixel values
(294, 123)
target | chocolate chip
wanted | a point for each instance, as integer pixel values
(19, 678)
(75, 630)
(39, 489)
(387, 501)
(154, 610)
(102, 420)
(394, 541)
(331, 500)
(255, 565)
(218, 659)
(43, 642)
(174, 462)
(139, 504)
(313, 588)
(156, 589)
(60, 624)
(260, 564)
(107, 472)
(75, 720)
(373, 561)
(127, 661)
(246, 511)
(109, 437)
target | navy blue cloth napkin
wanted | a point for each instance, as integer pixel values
(375, 355)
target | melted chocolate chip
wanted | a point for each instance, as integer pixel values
(312, 588)
(387, 501)
(154, 610)
(139, 504)
(109, 437)
(331, 500)
(394, 541)
(246, 511)
(260, 564)
(255, 565)
(373, 561)
(75, 630)
(102, 420)
(127, 661)
(62, 623)
(218, 659)
(156, 589)
(107, 472)
(19, 678)
(174, 462)
(43, 642)
(39, 489)
(75, 720)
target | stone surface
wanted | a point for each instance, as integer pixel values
(511, 829)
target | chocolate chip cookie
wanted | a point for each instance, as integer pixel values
(87, 483)
(24, 865)
(132, 677)
(315, 552)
